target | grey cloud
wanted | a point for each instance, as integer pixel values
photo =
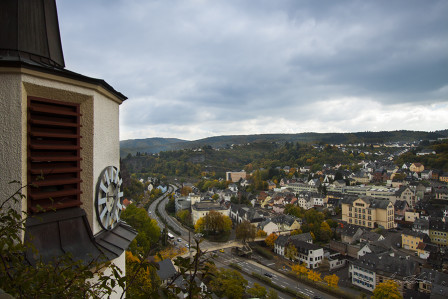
(222, 62)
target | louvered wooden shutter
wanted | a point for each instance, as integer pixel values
(54, 155)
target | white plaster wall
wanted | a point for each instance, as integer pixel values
(11, 163)
(106, 142)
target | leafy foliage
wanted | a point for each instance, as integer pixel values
(387, 289)
(257, 291)
(147, 228)
(332, 280)
(143, 281)
(228, 283)
(270, 240)
(245, 231)
(291, 252)
(63, 277)
(213, 223)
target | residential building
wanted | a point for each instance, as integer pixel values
(309, 254)
(407, 194)
(202, 208)
(417, 167)
(282, 241)
(438, 232)
(443, 177)
(433, 283)
(166, 271)
(411, 216)
(368, 212)
(410, 239)
(400, 207)
(235, 176)
(441, 193)
(350, 233)
(371, 269)
(424, 250)
(421, 225)
(182, 203)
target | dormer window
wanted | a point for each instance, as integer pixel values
(54, 155)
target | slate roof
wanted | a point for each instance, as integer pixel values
(400, 205)
(166, 269)
(282, 240)
(423, 236)
(439, 282)
(387, 265)
(302, 237)
(428, 247)
(304, 247)
(439, 225)
(420, 223)
(285, 219)
(205, 206)
(349, 229)
(370, 236)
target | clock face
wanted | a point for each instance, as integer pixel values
(109, 198)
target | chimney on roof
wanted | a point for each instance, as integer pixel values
(29, 33)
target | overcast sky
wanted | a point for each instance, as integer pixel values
(194, 69)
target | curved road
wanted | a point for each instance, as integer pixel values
(225, 258)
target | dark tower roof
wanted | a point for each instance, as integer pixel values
(29, 32)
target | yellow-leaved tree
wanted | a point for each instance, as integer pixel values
(314, 276)
(142, 279)
(387, 290)
(299, 269)
(261, 233)
(332, 280)
(270, 240)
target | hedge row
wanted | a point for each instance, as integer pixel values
(263, 252)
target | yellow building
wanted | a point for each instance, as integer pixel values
(410, 239)
(416, 167)
(368, 212)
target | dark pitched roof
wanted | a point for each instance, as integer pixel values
(303, 247)
(400, 204)
(350, 229)
(439, 225)
(423, 236)
(282, 240)
(302, 237)
(370, 236)
(387, 265)
(166, 269)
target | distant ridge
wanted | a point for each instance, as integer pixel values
(158, 144)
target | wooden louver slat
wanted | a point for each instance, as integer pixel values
(54, 154)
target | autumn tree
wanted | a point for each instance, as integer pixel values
(299, 269)
(332, 280)
(272, 294)
(291, 252)
(245, 231)
(270, 240)
(142, 278)
(314, 276)
(261, 233)
(184, 216)
(257, 291)
(387, 289)
(147, 228)
(186, 190)
(296, 232)
(228, 283)
(213, 223)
